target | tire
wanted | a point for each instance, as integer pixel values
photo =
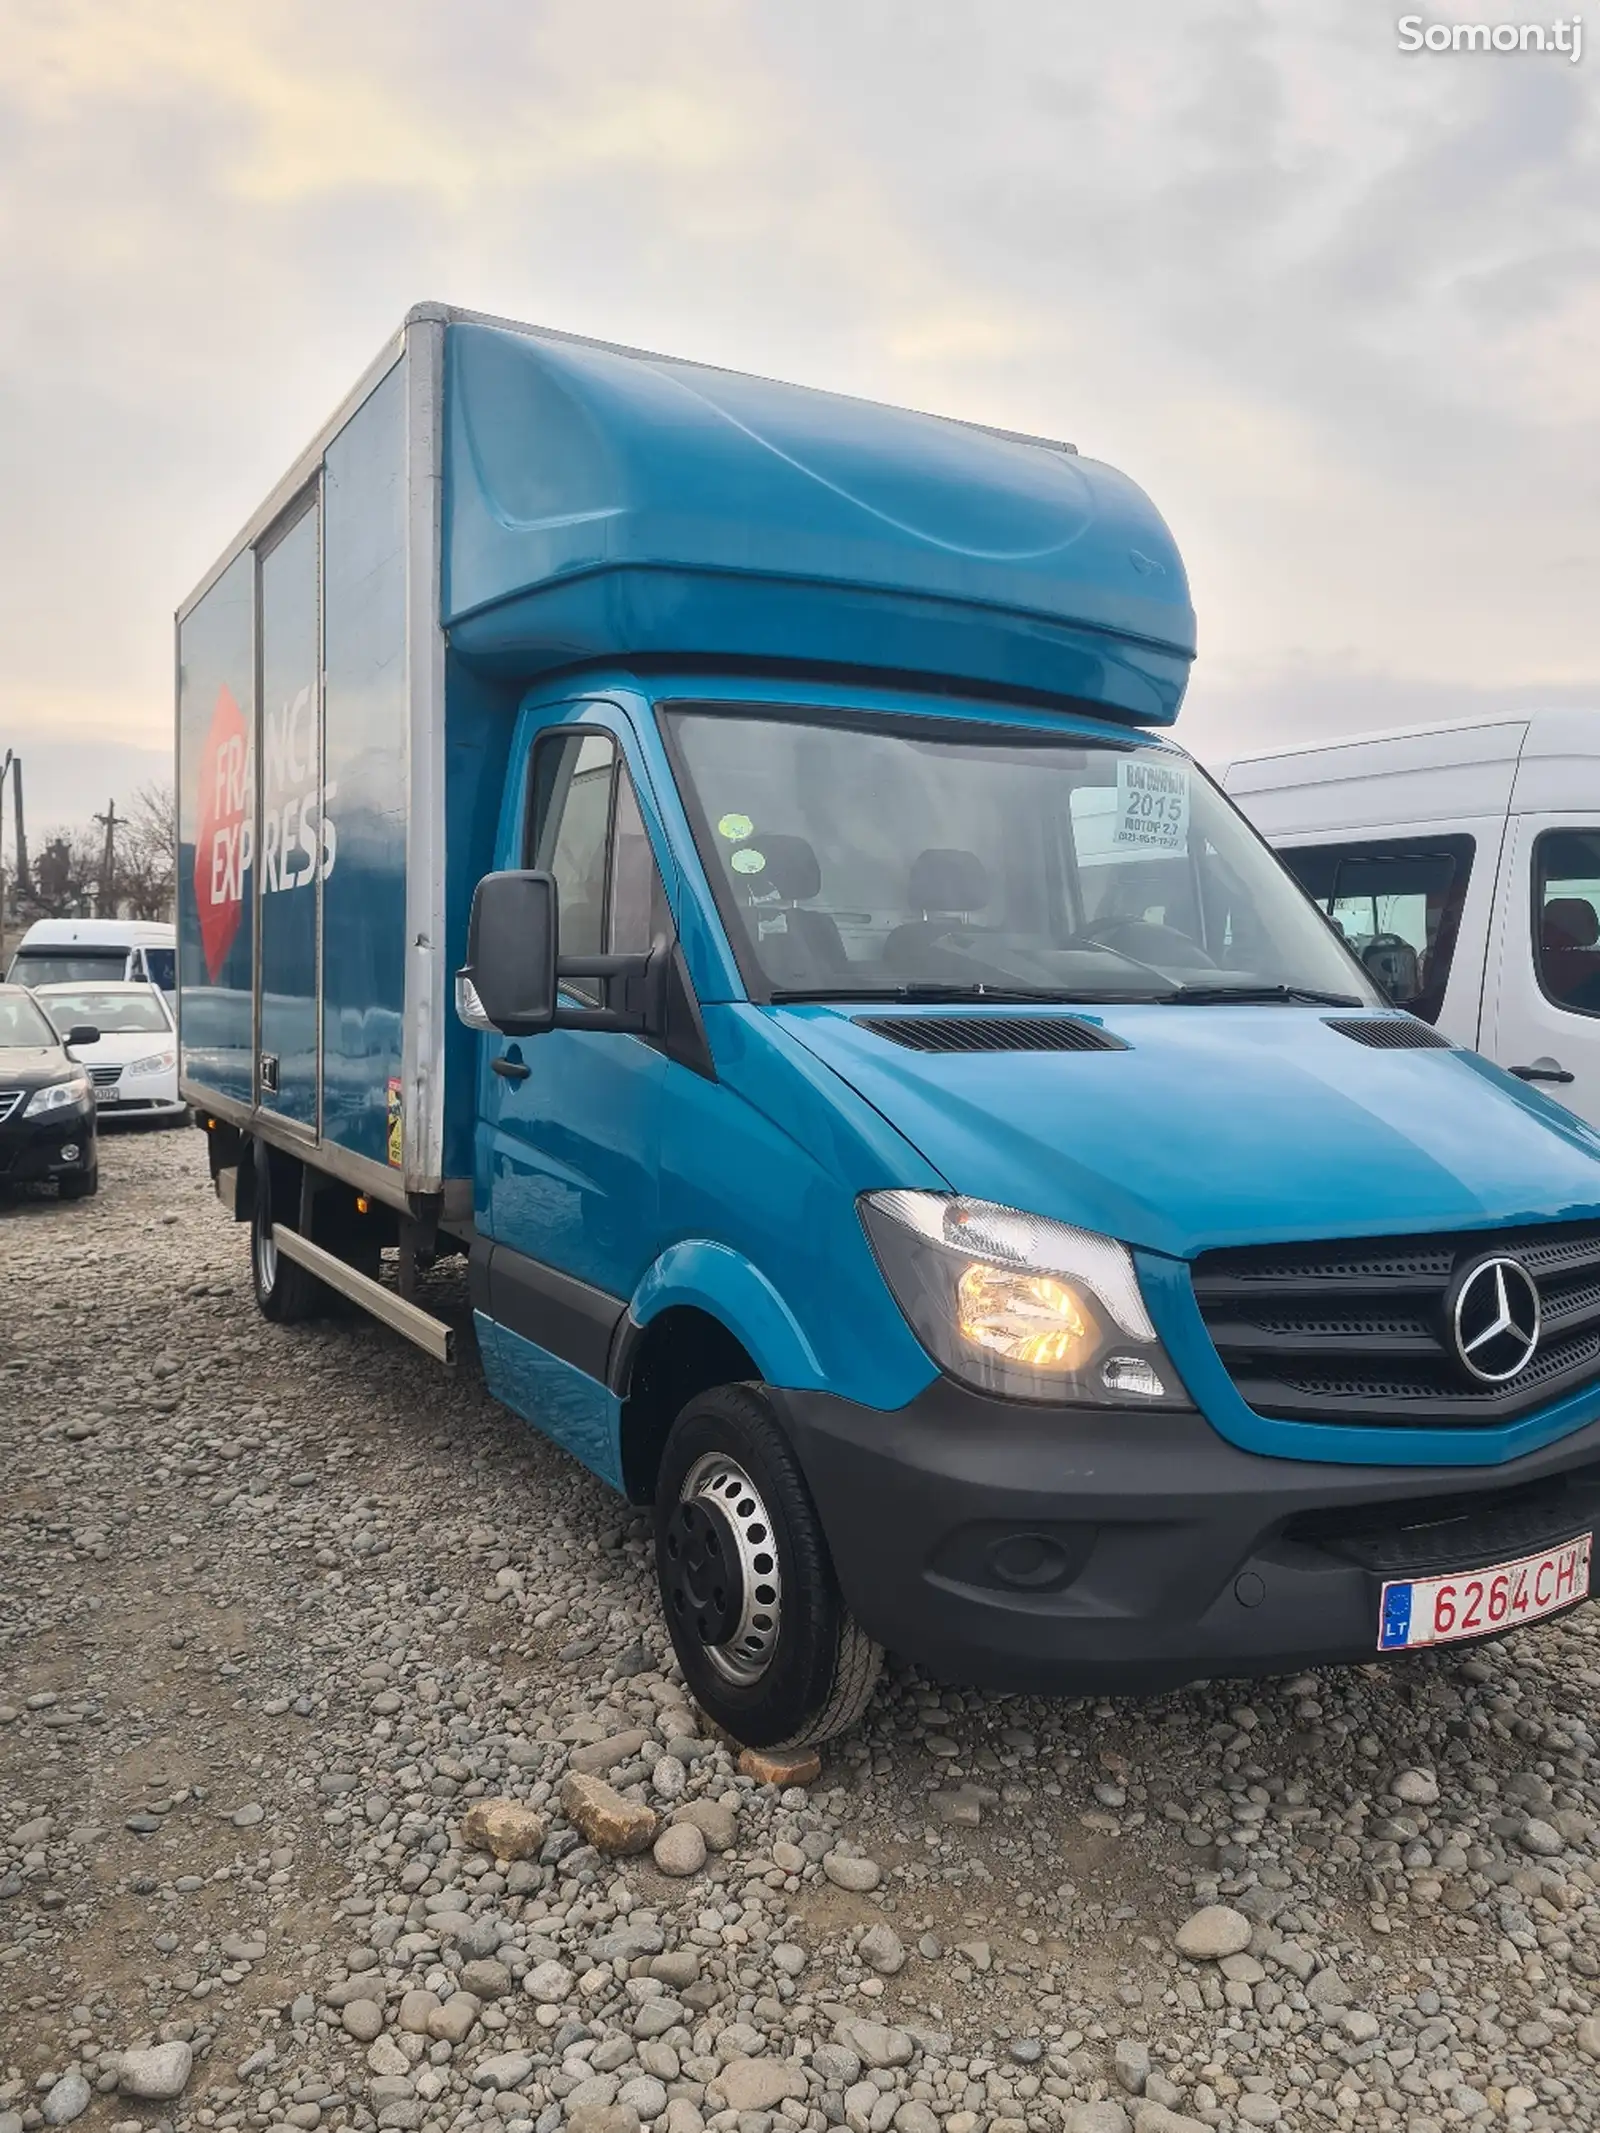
(80, 1185)
(770, 1650)
(284, 1291)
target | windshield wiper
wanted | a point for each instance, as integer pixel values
(1003, 994)
(1297, 995)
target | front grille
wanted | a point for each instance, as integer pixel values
(1391, 1033)
(1357, 1331)
(9, 1100)
(106, 1077)
(992, 1033)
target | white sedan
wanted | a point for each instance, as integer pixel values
(133, 1062)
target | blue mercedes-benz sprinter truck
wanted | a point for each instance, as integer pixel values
(712, 853)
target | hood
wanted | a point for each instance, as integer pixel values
(26, 1066)
(1223, 1126)
(117, 1048)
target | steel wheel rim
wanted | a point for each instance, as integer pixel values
(266, 1258)
(750, 1650)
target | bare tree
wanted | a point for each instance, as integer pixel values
(147, 854)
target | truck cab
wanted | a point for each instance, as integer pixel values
(715, 856)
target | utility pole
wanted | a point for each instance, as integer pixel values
(10, 758)
(108, 861)
(24, 887)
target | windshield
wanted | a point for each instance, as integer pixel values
(67, 966)
(852, 857)
(114, 1014)
(21, 1023)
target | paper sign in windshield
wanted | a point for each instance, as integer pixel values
(1152, 806)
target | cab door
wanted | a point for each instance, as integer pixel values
(1542, 1018)
(569, 1157)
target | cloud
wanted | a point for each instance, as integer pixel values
(1335, 307)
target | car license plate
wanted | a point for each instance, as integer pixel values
(1475, 1603)
(107, 1096)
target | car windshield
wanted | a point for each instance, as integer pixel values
(67, 966)
(21, 1023)
(114, 1014)
(921, 856)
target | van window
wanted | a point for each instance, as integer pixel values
(68, 966)
(1566, 918)
(1398, 904)
(851, 853)
(161, 967)
(609, 893)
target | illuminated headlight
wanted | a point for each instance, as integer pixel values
(156, 1063)
(1019, 1305)
(58, 1095)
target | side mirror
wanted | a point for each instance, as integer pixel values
(81, 1033)
(508, 982)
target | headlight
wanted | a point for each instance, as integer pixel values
(1020, 1305)
(57, 1095)
(157, 1063)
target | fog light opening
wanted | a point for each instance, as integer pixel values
(1028, 1560)
(70, 1152)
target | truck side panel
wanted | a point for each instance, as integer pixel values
(216, 832)
(364, 889)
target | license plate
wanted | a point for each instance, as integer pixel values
(107, 1096)
(1475, 1603)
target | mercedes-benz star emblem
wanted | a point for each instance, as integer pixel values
(1494, 1321)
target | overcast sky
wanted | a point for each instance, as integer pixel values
(1337, 308)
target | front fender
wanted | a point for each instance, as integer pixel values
(724, 1284)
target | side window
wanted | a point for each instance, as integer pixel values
(1566, 918)
(584, 827)
(1397, 904)
(638, 909)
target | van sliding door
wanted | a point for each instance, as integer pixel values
(1545, 986)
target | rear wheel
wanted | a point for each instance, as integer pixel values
(285, 1292)
(752, 1603)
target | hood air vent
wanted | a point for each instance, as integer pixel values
(991, 1033)
(1394, 1033)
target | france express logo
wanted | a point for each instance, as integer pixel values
(222, 846)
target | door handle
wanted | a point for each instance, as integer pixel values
(514, 1070)
(1543, 1070)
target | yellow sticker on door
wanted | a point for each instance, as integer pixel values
(397, 1130)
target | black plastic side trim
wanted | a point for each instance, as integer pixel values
(478, 1259)
(552, 1309)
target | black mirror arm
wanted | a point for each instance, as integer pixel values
(644, 978)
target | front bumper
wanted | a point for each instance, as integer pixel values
(1057, 1552)
(31, 1149)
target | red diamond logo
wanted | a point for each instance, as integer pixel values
(222, 846)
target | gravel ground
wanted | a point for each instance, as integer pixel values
(284, 1612)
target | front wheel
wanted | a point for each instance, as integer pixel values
(285, 1292)
(761, 1631)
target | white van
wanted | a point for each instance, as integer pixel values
(1462, 863)
(77, 951)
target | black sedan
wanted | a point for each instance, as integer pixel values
(46, 1100)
